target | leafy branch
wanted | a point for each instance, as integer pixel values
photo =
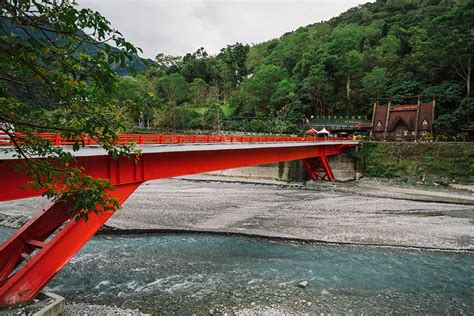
(42, 52)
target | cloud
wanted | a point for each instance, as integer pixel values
(179, 27)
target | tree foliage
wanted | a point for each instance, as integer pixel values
(55, 70)
(334, 68)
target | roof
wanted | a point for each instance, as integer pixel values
(403, 115)
(469, 128)
(311, 131)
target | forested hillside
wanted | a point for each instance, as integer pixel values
(28, 33)
(333, 68)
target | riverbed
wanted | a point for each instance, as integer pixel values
(333, 213)
(361, 250)
(202, 274)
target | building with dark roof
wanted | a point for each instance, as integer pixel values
(402, 119)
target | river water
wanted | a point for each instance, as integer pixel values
(185, 274)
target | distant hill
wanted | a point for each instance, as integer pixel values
(138, 63)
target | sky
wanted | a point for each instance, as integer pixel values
(182, 26)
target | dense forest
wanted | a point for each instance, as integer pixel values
(333, 68)
(329, 69)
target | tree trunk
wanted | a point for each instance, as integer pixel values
(468, 76)
(465, 72)
(319, 102)
(348, 90)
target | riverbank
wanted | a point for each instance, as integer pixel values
(367, 212)
(374, 212)
(423, 162)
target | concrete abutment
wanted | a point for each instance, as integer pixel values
(343, 166)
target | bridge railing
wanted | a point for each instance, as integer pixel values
(150, 139)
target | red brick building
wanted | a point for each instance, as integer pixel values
(402, 118)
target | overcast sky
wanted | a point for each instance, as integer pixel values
(182, 26)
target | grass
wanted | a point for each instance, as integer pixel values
(435, 162)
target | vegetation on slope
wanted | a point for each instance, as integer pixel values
(333, 68)
(439, 162)
(50, 83)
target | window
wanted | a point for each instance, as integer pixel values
(425, 122)
(412, 133)
(379, 123)
(405, 133)
(398, 133)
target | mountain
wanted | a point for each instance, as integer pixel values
(329, 69)
(381, 49)
(136, 62)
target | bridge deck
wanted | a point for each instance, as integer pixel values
(6, 152)
(52, 237)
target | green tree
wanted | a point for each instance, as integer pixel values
(283, 95)
(387, 51)
(198, 91)
(213, 118)
(315, 87)
(454, 37)
(375, 82)
(196, 65)
(50, 82)
(168, 62)
(172, 88)
(137, 95)
(404, 84)
(234, 57)
(126, 88)
(257, 91)
(351, 64)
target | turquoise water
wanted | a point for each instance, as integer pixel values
(186, 274)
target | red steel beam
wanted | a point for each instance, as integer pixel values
(318, 168)
(86, 140)
(41, 248)
(152, 166)
(28, 281)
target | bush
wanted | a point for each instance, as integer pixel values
(436, 161)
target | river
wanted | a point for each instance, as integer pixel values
(199, 273)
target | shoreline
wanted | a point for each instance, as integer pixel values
(112, 231)
(159, 232)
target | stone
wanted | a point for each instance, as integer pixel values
(303, 284)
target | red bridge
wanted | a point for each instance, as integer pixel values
(37, 251)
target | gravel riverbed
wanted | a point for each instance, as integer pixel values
(336, 213)
(366, 212)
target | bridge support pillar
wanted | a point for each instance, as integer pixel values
(38, 250)
(318, 168)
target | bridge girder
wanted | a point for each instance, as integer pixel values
(39, 250)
